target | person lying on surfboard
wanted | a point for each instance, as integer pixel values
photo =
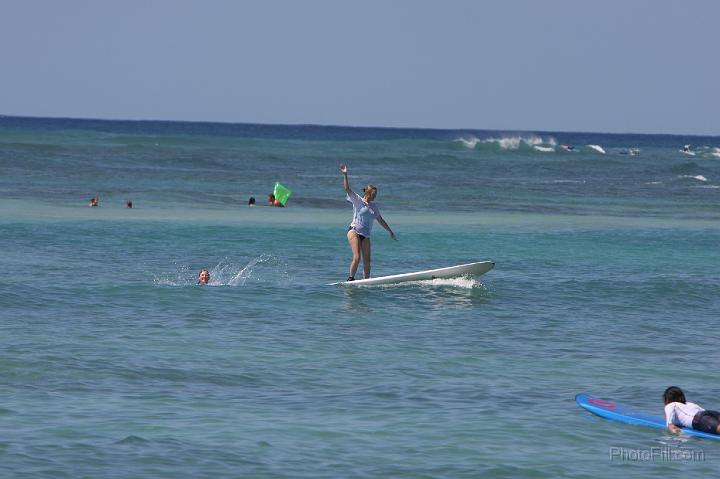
(364, 213)
(681, 413)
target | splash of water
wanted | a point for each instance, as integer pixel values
(462, 282)
(264, 268)
(459, 282)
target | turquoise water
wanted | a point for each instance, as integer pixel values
(113, 363)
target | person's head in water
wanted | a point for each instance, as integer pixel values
(128, 203)
(673, 394)
(204, 276)
(272, 201)
(94, 201)
(251, 201)
(370, 193)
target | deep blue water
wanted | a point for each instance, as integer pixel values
(113, 363)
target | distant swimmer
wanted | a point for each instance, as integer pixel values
(203, 277)
(567, 147)
(128, 203)
(95, 201)
(251, 201)
(272, 201)
(681, 413)
(365, 211)
(686, 149)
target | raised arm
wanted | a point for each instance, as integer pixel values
(385, 225)
(346, 184)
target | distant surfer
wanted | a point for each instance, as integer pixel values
(687, 150)
(128, 203)
(365, 211)
(203, 277)
(630, 151)
(681, 413)
(567, 147)
(251, 201)
(95, 200)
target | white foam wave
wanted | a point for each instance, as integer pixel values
(511, 142)
(597, 148)
(716, 152)
(514, 142)
(468, 142)
(653, 183)
(459, 282)
(544, 149)
(696, 177)
(709, 187)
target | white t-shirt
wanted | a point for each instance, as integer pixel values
(681, 414)
(363, 214)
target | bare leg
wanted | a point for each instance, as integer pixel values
(355, 246)
(365, 249)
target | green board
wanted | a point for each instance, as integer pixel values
(281, 193)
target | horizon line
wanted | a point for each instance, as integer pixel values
(365, 127)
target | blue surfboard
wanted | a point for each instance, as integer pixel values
(617, 412)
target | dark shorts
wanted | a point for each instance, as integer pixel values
(359, 235)
(706, 421)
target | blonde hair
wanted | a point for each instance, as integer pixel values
(369, 187)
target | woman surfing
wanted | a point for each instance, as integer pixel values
(365, 211)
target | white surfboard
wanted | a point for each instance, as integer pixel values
(470, 269)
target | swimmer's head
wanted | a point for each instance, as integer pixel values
(370, 192)
(673, 394)
(204, 276)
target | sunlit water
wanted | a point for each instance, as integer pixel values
(114, 363)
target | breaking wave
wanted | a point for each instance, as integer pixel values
(510, 143)
(693, 177)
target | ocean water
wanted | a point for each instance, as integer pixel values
(113, 363)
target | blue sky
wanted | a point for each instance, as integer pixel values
(607, 66)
